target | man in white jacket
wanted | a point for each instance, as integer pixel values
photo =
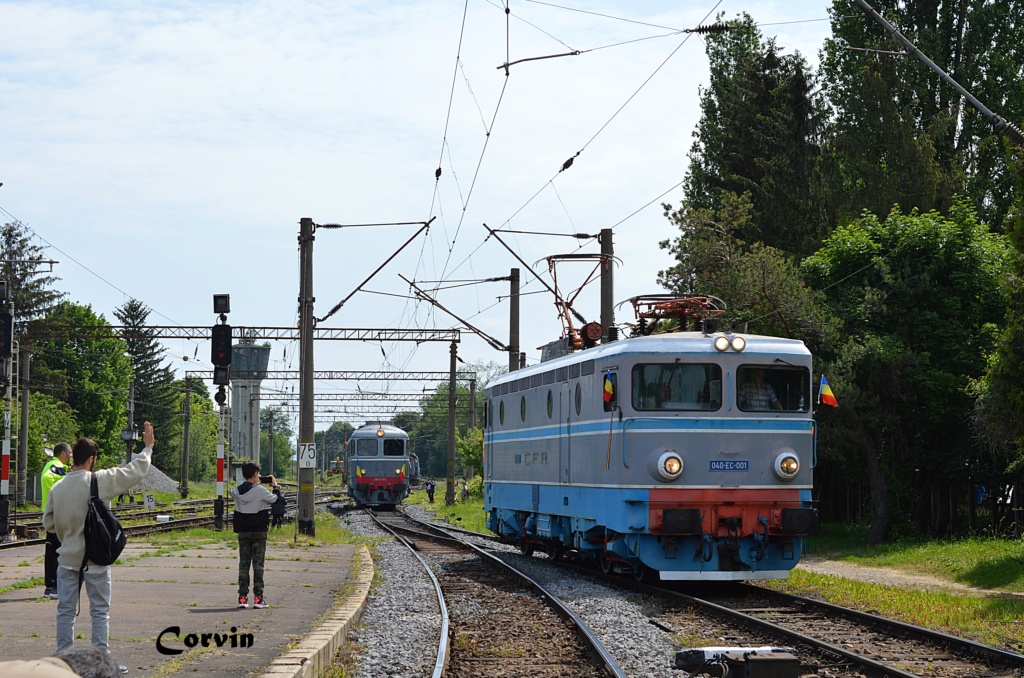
(65, 514)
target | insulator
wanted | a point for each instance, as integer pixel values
(710, 28)
(1008, 129)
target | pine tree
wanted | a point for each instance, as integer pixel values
(20, 266)
(156, 399)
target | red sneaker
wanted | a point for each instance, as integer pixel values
(258, 603)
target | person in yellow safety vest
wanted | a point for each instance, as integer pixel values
(53, 471)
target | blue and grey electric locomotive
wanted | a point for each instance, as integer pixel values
(378, 464)
(686, 454)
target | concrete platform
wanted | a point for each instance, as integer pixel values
(315, 593)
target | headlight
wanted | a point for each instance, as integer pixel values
(738, 344)
(670, 465)
(721, 343)
(787, 465)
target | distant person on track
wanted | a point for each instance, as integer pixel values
(65, 514)
(250, 522)
(430, 490)
(465, 490)
(53, 471)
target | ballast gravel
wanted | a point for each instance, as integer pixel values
(399, 631)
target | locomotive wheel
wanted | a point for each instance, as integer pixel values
(527, 548)
(554, 551)
(606, 563)
(639, 572)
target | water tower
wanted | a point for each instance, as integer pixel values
(248, 368)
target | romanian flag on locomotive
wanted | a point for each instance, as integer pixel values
(825, 394)
(609, 388)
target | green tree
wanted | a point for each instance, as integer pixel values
(88, 370)
(156, 399)
(202, 435)
(469, 450)
(902, 136)
(28, 277)
(999, 414)
(761, 285)
(759, 135)
(283, 448)
(919, 301)
(50, 421)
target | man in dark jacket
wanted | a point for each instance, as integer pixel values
(251, 521)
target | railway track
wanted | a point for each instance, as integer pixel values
(497, 622)
(827, 639)
(131, 513)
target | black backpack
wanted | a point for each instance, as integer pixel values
(104, 538)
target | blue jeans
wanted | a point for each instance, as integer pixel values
(97, 585)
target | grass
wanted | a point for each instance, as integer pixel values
(992, 620)
(988, 563)
(467, 514)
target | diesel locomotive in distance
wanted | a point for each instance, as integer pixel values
(685, 454)
(378, 465)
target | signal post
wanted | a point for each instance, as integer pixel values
(6, 364)
(220, 356)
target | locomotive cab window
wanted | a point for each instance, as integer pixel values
(366, 447)
(394, 447)
(677, 386)
(773, 388)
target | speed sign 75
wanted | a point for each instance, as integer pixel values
(307, 455)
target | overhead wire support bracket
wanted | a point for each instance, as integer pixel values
(508, 64)
(483, 335)
(337, 307)
(543, 282)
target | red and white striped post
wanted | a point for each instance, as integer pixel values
(218, 504)
(5, 463)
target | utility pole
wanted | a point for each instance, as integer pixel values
(185, 442)
(513, 321)
(7, 356)
(24, 360)
(306, 459)
(270, 461)
(472, 403)
(607, 285)
(449, 495)
(129, 435)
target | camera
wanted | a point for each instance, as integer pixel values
(265, 479)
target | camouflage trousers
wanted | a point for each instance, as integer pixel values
(252, 549)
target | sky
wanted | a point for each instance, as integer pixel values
(166, 151)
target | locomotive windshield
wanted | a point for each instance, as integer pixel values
(394, 447)
(366, 447)
(677, 386)
(764, 387)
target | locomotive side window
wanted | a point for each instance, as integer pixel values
(677, 386)
(501, 413)
(366, 447)
(394, 447)
(579, 398)
(551, 404)
(522, 409)
(765, 388)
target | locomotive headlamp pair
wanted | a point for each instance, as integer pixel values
(723, 343)
(787, 465)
